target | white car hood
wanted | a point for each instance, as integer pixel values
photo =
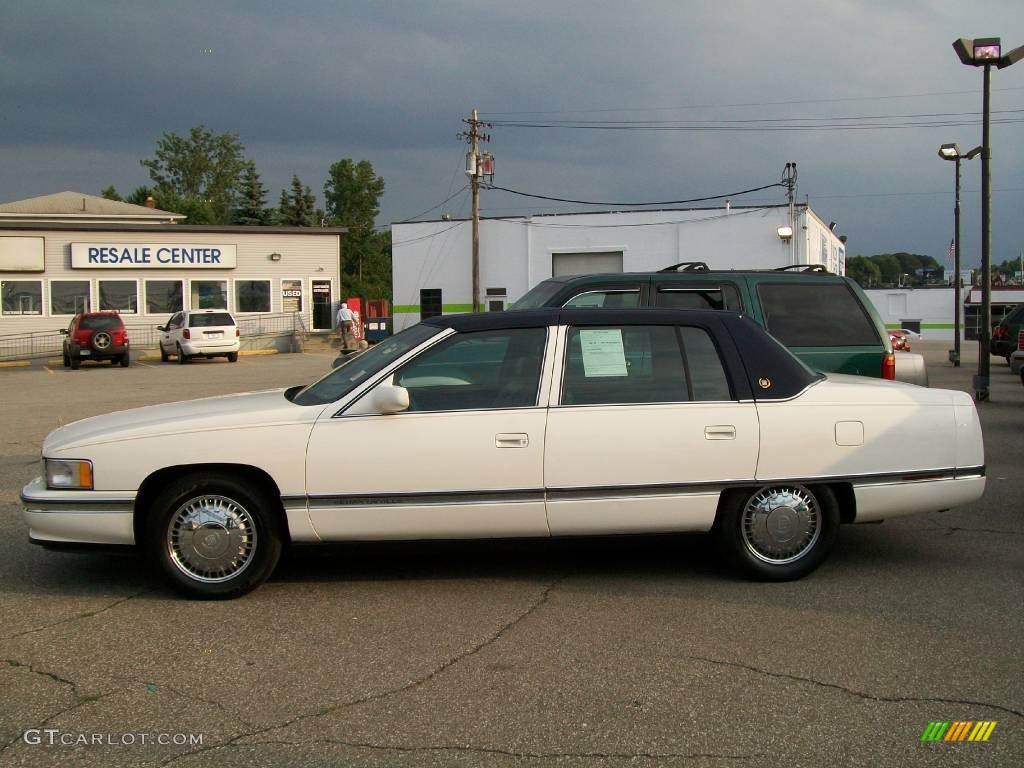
(211, 413)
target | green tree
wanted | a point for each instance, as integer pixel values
(889, 266)
(252, 209)
(111, 194)
(298, 207)
(864, 271)
(141, 194)
(199, 175)
(352, 196)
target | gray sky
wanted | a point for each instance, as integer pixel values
(88, 88)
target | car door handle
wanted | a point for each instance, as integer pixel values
(720, 432)
(512, 440)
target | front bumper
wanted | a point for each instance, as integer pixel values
(78, 517)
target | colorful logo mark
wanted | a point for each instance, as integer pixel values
(959, 730)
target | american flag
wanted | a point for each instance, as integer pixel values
(952, 248)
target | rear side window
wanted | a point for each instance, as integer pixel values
(642, 364)
(209, 320)
(626, 298)
(100, 323)
(698, 296)
(816, 315)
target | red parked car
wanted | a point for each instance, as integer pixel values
(900, 340)
(96, 336)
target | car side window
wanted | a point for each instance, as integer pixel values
(614, 365)
(816, 315)
(471, 371)
(643, 364)
(612, 298)
(175, 321)
(697, 295)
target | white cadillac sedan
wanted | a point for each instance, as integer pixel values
(549, 422)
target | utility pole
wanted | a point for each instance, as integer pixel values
(477, 166)
(789, 180)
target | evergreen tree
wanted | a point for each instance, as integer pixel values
(111, 194)
(298, 207)
(252, 210)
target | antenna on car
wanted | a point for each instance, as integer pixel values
(687, 266)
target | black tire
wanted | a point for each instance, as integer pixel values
(242, 540)
(66, 360)
(778, 532)
(74, 360)
(125, 360)
(232, 357)
(182, 358)
(164, 357)
(101, 341)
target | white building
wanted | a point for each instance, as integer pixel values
(432, 261)
(71, 252)
(930, 311)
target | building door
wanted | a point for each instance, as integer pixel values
(322, 320)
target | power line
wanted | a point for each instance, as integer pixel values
(433, 207)
(762, 126)
(762, 119)
(427, 237)
(662, 202)
(971, 92)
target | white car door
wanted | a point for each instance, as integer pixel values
(646, 433)
(464, 460)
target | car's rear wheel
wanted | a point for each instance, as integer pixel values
(212, 536)
(778, 532)
(232, 357)
(182, 358)
(125, 360)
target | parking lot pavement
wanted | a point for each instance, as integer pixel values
(610, 652)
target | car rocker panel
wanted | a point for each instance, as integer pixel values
(536, 423)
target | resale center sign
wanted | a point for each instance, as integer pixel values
(152, 256)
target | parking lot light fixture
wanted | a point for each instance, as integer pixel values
(985, 52)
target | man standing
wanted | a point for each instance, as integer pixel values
(346, 320)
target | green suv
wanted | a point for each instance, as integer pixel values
(824, 319)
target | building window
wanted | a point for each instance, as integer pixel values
(119, 296)
(163, 296)
(209, 294)
(22, 297)
(252, 295)
(69, 297)
(430, 303)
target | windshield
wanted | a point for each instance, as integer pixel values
(348, 376)
(539, 295)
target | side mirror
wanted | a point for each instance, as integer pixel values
(388, 398)
(63, 331)
(162, 328)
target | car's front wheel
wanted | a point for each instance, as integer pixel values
(212, 536)
(182, 357)
(778, 532)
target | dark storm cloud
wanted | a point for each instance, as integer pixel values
(89, 88)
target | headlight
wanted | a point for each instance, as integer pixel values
(68, 474)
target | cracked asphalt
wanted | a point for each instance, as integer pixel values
(586, 652)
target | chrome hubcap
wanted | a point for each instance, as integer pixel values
(211, 539)
(781, 525)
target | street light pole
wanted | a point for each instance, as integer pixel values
(981, 381)
(952, 152)
(984, 52)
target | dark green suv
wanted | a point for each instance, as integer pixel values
(825, 319)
